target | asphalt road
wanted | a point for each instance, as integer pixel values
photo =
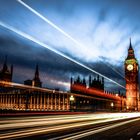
(97, 126)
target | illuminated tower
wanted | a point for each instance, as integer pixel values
(131, 76)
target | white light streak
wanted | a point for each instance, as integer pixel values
(52, 24)
(66, 84)
(43, 125)
(59, 29)
(27, 36)
(115, 70)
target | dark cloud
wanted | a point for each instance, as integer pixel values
(24, 57)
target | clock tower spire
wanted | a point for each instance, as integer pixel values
(131, 77)
(131, 54)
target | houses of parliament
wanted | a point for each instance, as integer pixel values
(83, 95)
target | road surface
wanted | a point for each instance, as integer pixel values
(96, 126)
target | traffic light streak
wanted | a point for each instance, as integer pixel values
(60, 30)
(29, 37)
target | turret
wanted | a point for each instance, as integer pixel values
(71, 80)
(36, 73)
(36, 81)
(78, 79)
(5, 68)
(98, 79)
(103, 83)
(11, 70)
(89, 80)
(84, 81)
(103, 80)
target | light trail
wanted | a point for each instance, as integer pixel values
(56, 27)
(101, 129)
(69, 121)
(115, 71)
(28, 37)
(46, 122)
(52, 24)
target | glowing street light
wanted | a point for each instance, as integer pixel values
(71, 98)
(112, 104)
(72, 103)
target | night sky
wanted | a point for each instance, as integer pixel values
(104, 27)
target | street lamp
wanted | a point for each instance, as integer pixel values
(71, 98)
(112, 105)
(71, 103)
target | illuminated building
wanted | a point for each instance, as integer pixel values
(101, 101)
(20, 97)
(83, 95)
(96, 83)
(28, 98)
(131, 76)
(5, 73)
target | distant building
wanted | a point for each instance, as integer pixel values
(36, 81)
(5, 73)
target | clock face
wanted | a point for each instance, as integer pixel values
(130, 67)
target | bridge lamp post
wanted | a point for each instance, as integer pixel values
(127, 107)
(72, 99)
(112, 105)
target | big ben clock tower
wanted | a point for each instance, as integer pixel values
(131, 77)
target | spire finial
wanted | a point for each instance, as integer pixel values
(130, 46)
(130, 51)
(71, 80)
(5, 64)
(130, 42)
